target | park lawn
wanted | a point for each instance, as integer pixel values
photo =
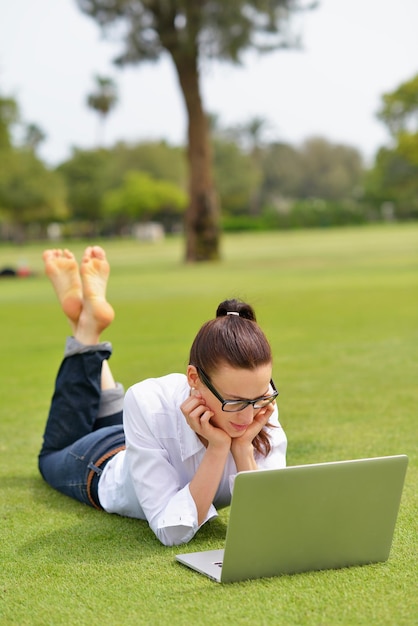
(341, 310)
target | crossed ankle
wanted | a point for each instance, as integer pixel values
(111, 401)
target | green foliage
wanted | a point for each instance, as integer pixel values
(87, 177)
(159, 159)
(282, 171)
(98, 187)
(318, 169)
(219, 29)
(312, 213)
(9, 114)
(330, 171)
(29, 192)
(189, 31)
(394, 177)
(339, 308)
(104, 98)
(320, 174)
(400, 107)
(236, 178)
(141, 197)
(34, 136)
(91, 174)
(394, 180)
(261, 186)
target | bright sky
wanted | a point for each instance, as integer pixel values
(354, 51)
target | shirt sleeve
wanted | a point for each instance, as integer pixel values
(164, 498)
(178, 523)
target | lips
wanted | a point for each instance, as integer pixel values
(240, 428)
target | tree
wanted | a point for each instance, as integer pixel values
(9, 115)
(141, 198)
(159, 159)
(282, 172)
(87, 176)
(250, 136)
(399, 110)
(103, 100)
(91, 174)
(330, 171)
(34, 136)
(236, 177)
(394, 177)
(29, 192)
(190, 30)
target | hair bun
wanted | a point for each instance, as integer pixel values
(237, 308)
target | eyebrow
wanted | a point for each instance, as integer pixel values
(233, 398)
(245, 399)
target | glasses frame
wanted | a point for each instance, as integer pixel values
(224, 402)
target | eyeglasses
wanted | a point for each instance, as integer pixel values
(231, 406)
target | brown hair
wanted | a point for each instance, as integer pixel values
(233, 338)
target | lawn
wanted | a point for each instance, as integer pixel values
(341, 310)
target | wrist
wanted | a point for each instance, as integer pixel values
(220, 449)
(243, 452)
(242, 446)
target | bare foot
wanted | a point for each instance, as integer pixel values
(97, 313)
(62, 270)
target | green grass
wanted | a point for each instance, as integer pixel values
(341, 310)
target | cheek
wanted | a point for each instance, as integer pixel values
(213, 405)
(219, 419)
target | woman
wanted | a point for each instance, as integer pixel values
(171, 456)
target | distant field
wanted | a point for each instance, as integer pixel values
(341, 310)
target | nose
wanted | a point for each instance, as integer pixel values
(247, 415)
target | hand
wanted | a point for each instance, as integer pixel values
(198, 417)
(261, 418)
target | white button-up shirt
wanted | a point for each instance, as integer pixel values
(150, 479)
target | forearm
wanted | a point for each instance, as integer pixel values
(206, 481)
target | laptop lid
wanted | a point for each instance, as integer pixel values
(311, 517)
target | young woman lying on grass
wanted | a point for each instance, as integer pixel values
(167, 452)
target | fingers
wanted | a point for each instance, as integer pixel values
(260, 420)
(196, 412)
(263, 416)
(192, 403)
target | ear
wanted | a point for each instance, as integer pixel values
(192, 376)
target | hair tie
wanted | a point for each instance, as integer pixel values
(232, 313)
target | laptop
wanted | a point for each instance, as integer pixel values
(307, 517)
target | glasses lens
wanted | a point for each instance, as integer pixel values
(264, 402)
(232, 407)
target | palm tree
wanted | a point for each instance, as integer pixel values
(34, 136)
(103, 100)
(252, 134)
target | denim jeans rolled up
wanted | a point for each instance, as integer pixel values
(83, 430)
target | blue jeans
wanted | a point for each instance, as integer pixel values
(84, 428)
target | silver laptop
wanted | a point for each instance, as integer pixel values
(307, 517)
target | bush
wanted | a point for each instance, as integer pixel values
(313, 213)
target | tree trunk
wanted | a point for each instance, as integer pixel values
(202, 227)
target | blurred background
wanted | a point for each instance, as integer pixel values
(319, 130)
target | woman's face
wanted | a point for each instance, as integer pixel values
(235, 384)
